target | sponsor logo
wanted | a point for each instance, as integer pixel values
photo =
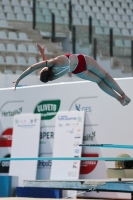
(16, 121)
(4, 165)
(48, 109)
(87, 166)
(74, 124)
(86, 104)
(72, 174)
(77, 137)
(89, 137)
(75, 144)
(44, 164)
(87, 109)
(79, 119)
(65, 117)
(47, 138)
(20, 121)
(75, 164)
(71, 130)
(26, 123)
(46, 135)
(35, 120)
(76, 150)
(11, 113)
(6, 138)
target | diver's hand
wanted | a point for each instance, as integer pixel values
(16, 83)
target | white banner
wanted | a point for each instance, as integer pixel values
(25, 144)
(69, 127)
(106, 121)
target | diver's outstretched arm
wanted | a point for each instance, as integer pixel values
(29, 71)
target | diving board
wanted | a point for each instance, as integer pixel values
(86, 185)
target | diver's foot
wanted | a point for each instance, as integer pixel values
(123, 102)
(126, 98)
(40, 48)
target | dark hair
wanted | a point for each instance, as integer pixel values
(46, 76)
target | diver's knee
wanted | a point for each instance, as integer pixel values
(99, 81)
(105, 75)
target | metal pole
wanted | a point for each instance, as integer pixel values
(90, 30)
(34, 14)
(132, 54)
(95, 48)
(111, 42)
(70, 15)
(73, 39)
(53, 27)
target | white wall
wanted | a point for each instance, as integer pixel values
(6, 80)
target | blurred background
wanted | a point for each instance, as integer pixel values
(102, 29)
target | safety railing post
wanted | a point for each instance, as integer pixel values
(95, 48)
(90, 30)
(111, 42)
(53, 27)
(70, 15)
(34, 14)
(132, 54)
(73, 39)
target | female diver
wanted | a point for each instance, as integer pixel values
(83, 66)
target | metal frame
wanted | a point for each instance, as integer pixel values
(119, 146)
(84, 185)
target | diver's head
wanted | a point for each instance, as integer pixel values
(46, 74)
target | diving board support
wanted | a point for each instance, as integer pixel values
(88, 186)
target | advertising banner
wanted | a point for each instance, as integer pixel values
(69, 127)
(106, 122)
(25, 144)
